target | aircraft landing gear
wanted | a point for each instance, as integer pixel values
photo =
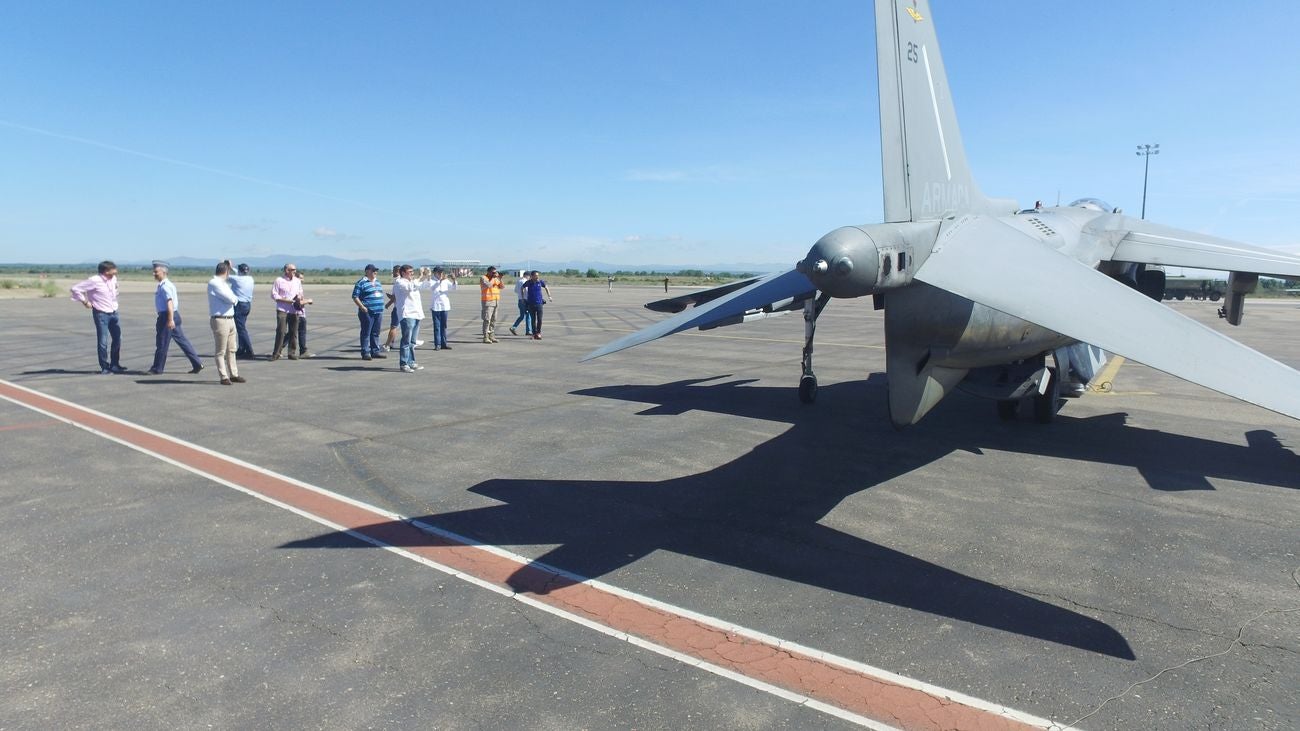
(1045, 403)
(812, 307)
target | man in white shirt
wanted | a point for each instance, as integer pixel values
(410, 308)
(221, 311)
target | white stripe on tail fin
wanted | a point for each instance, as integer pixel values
(924, 164)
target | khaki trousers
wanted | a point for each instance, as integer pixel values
(223, 334)
(490, 318)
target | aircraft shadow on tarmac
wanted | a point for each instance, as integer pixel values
(760, 511)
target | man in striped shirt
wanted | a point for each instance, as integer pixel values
(369, 296)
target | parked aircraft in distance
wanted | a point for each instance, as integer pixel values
(978, 295)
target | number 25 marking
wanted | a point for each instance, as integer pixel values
(912, 54)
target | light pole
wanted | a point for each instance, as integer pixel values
(1146, 151)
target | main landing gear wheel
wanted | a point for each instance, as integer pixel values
(812, 307)
(808, 389)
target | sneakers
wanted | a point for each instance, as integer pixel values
(385, 348)
(406, 369)
(117, 369)
(418, 343)
(381, 356)
(417, 366)
(196, 368)
(493, 339)
(239, 379)
(513, 331)
(366, 357)
(306, 354)
(536, 336)
(291, 356)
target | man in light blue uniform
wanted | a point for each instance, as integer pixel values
(168, 327)
(242, 285)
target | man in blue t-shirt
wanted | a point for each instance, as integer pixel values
(534, 288)
(369, 296)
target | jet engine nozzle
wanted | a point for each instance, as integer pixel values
(843, 263)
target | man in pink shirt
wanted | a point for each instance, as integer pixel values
(99, 295)
(287, 293)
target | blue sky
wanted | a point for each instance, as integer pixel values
(692, 133)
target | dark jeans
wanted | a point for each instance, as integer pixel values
(371, 324)
(163, 337)
(107, 328)
(286, 328)
(244, 340)
(535, 312)
(525, 317)
(302, 334)
(439, 328)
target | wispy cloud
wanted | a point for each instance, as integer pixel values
(328, 234)
(182, 163)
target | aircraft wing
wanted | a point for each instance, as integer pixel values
(1150, 243)
(697, 298)
(773, 292)
(990, 263)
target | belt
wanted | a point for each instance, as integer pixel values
(223, 317)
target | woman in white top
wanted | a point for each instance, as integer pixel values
(441, 305)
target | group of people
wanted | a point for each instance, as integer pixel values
(99, 295)
(230, 298)
(407, 303)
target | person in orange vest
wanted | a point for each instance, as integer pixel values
(489, 286)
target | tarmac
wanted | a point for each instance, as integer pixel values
(664, 538)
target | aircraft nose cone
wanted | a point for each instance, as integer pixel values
(831, 263)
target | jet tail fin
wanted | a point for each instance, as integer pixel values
(925, 172)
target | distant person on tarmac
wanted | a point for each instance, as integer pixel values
(524, 316)
(489, 286)
(441, 305)
(221, 317)
(242, 285)
(302, 323)
(287, 293)
(394, 320)
(534, 288)
(99, 295)
(368, 295)
(168, 326)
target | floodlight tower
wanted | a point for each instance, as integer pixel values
(1146, 151)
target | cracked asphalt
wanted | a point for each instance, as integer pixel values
(1044, 568)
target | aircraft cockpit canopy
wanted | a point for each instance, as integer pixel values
(1093, 204)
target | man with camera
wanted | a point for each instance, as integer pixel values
(287, 293)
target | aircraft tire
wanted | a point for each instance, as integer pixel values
(808, 389)
(1214, 296)
(1008, 409)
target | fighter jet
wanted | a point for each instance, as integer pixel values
(980, 295)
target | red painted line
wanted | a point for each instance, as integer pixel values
(842, 687)
(29, 425)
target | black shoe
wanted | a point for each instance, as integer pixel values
(152, 372)
(239, 379)
(196, 368)
(380, 356)
(117, 369)
(366, 357)
(446, 347)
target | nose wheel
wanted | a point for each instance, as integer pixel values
(812, 308)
